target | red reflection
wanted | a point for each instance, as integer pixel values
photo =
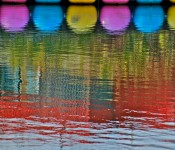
(48, 110)
(74, 110)
(133, 102)
(153, 104)
(146, 106)
(14, 18)
(115, 19)
(116, 1)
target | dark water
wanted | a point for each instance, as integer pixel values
(83, 77)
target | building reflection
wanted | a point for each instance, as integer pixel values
(11, 20)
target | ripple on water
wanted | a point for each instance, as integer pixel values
(87, 78)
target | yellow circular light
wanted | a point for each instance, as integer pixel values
(82, 1)
(173, 1)
(81, 19)
(171, 17)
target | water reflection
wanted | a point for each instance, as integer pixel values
(148, 18)
(15, 1)
(171, 17)
(173, 1)
(48, 18)
(86, 21)
(149, 1)
(93, 1)
(82, 1)
(10, 18)
(79, 91)
(116, 1)
(47, 1)
(81, 19)
(115, 19)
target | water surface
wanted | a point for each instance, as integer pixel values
(79, 77)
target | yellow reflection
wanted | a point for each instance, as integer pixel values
(81, 19)
(171, 17)
(173, 1)
(82, 1)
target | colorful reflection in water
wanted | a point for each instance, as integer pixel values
(81, 19)
(70, 80)
(116, 1)
(10, 18)
(173, 1)
(148, 18)
(93, 1)
(115, 19)
(149, 1)
(82, 1)
(15, 1)
(171, 17)
(48, 18)
(48, 1)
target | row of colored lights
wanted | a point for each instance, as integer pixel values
(91, 1)
(83, 19)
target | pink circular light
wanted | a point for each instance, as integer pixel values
(15, 1)
(14, 18)
(115, 19)
(116, 1)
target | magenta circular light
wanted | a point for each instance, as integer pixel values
(15, 1)
(116, 1)
(14, 18)
(115, 19)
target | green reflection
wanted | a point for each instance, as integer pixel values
(85, 65)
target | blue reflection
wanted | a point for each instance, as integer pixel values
(48, 1)
(10, 80)
(148, 18)
(149, 1)
(64, 86)
(48, 18)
